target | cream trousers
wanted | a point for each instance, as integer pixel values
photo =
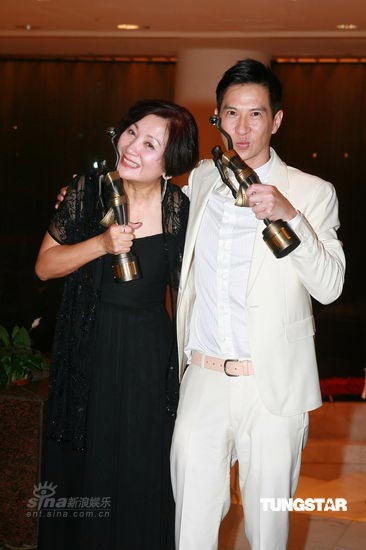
(222, 419)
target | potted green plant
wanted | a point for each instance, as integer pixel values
(18, 360)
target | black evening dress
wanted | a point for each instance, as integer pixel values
(123, 473)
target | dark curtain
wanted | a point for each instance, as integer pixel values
(53, 120)
(323, 133)
(54, 116)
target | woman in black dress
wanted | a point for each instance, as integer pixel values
(113, 382)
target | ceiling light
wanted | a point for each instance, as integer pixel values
(128, 27)
(26, 27)
(346, 27)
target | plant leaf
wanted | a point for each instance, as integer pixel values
(4, 336)
(21, 338)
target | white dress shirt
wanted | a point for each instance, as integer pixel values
(223, 253)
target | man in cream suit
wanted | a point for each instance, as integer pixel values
(245, 325)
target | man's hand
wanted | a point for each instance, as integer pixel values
(60, 197)
(268, 202)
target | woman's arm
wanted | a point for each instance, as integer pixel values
(58, 260)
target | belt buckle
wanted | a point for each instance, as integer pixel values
(225, 371)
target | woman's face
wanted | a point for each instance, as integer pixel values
(141, 147)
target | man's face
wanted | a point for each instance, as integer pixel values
(247, 117)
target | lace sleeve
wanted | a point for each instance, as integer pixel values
(175, 216)
(77, 219)
(64, 225)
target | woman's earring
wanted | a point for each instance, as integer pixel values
(164, 186)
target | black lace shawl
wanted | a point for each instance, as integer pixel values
(78, 219)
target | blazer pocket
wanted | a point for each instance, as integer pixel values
(300, 329)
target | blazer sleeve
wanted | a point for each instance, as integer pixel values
(319, 260)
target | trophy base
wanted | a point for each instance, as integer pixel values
(280, 238)
(126, 270)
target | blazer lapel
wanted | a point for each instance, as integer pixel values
(197, 208)
(277, 176)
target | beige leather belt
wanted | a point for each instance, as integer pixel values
(231, 367)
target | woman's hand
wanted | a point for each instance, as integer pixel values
(118, 239)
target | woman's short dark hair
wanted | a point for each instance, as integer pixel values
(250, 71)
(181, 152)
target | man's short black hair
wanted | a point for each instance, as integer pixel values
(250, 71)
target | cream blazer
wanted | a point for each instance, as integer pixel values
(280, 291)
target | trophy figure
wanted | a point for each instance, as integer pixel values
(125, 266)
(278, 235)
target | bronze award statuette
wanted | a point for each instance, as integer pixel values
(278, 235)
(125, 266)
